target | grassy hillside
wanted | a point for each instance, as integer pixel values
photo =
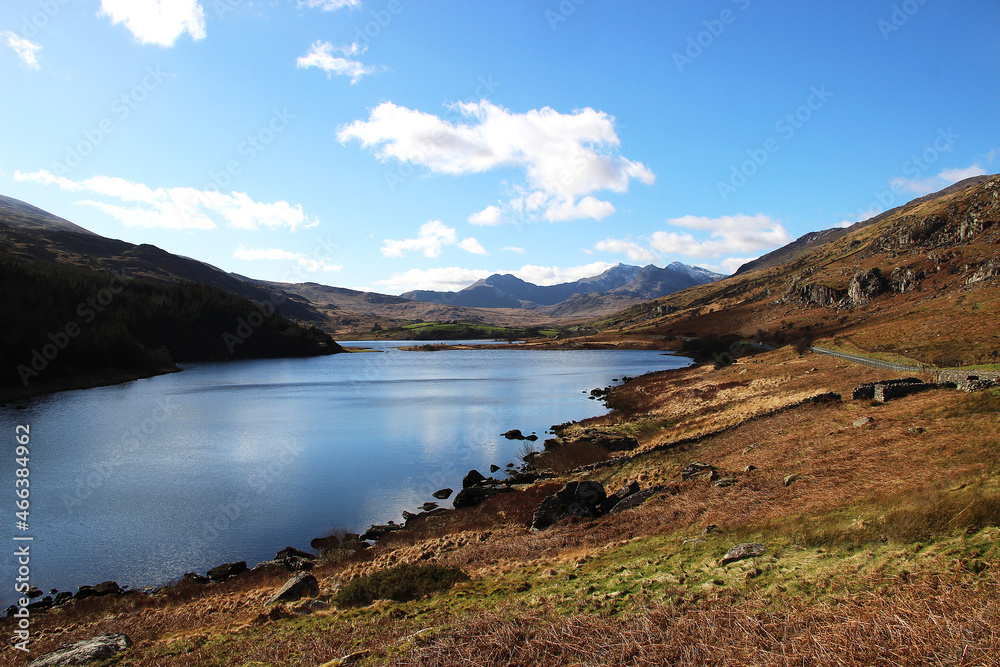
(880, 548)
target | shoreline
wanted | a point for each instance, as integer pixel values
(520, 475)
(9, 395)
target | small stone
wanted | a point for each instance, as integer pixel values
(711, 529)
(494, 467)
(864, 421)
(743, 551)
(727, 481)
(791, 479)
(749, 469)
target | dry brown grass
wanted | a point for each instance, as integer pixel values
(934, 621)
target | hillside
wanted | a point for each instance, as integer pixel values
(918, 285)
(75, 326)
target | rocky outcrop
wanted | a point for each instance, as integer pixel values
(101, 647)
(472, 478)
(302, 585)
(576, 499)
(865, 286)
(987, 271)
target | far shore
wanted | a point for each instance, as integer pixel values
(86, 381)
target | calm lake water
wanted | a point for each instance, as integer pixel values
(230, 461)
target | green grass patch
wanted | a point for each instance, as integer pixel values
(401, 584)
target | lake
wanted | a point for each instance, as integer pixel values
(229, 461)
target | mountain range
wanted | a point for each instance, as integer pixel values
(508, 291)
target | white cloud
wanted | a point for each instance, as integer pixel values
(304, 262)
(565, 157)
(473, 246)
(432, 238)
(635, 252)
(553, 275)
(177, 208)
(321, 55)
(330, 5)
(726, 235)
(491, 215)
(513, 248)
(159, 22)
(454, 278)
(947, 177)
(23, 47)
(443, 279)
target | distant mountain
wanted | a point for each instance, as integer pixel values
(22, 215)
(508, 291)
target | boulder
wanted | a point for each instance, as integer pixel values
(472, 478)
(531, 438)
(65, 596)
(101, 647)
(292, 552)
(377, 531)
(576, 499)
(743, 551)
(442, 494)
(34, 592)
(696, 468)
(227, 571)
(640, 497)
(493, 468)
(514, 434)
(864, 421)
(618, 496)
(427, 507)
(476, 495)
(193, 578)
(300, 586)
(108, 588)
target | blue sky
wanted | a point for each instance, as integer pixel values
(391, 145)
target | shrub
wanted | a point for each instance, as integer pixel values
(401, 583)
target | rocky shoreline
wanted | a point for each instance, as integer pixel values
(476, 489)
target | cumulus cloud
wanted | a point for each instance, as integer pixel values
(321, 55)
(159, 22)
(635, 252)
(24, 48)
(565, 158)
(431, 239)
(304, 262)
(447, 279)
(176, 208)
(947, 177)
(726, 235)
(330, 5)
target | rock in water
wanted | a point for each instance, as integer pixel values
(101, 647)
(300, 586)
(442, 494)
(514, 434)
(472, 478)
(743, 551)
